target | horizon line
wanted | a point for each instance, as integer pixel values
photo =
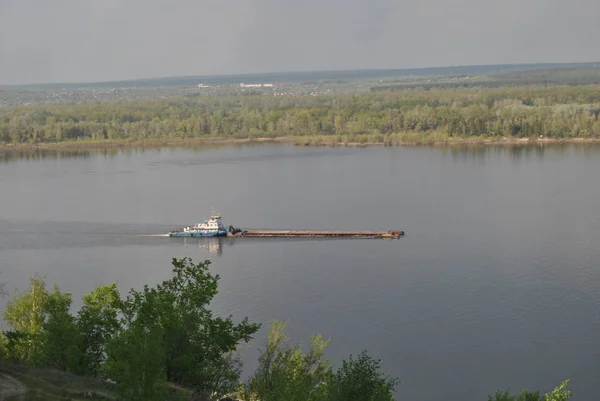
(282, 72)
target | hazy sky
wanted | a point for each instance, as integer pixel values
(98, 40)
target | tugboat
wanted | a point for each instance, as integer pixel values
(213, 227)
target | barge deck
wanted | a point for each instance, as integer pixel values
(392, 234)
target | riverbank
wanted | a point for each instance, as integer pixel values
(317, 141)
(153, 143)
(446, 141)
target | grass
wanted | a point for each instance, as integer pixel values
(55, 385)
(50, 384)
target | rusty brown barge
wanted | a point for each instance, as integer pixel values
(214, 227)
(391, 234)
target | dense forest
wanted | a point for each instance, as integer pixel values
(385, 117)
(164, 343)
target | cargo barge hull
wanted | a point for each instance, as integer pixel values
(392, 234)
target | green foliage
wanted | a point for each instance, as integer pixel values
(135, 356)
(3, 347)
(557, 112)
(43, 331)
(155, 337)
(58, 332)
(522, 396)
(26, 314)
(285, 372)
(170, 327)
(20, 346)
(529, 396)
(362, 380)
(560, 393)
(97, 323)
(219, 377)
(135, 361)
(502, 396)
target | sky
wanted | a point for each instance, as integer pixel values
(44, 41)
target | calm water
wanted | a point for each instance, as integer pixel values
(495, 285)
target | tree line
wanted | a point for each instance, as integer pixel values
(164, 343)
(554, 112)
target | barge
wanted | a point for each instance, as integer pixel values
(213, 227)
(391, 234)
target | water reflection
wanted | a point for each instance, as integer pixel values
(36, 154)
(214, 245)
(458, 152)
(8, 156)
(39, 154)
(518, 152)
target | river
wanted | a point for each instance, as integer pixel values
(496, 284)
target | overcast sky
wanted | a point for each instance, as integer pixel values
(99, 40)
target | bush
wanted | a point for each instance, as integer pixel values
(285, 372)
(560, 393)
(362, 380)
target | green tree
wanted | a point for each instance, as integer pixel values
(135, 357)
(285, 372)
(560, 393)
(522, 396)
(43, 331)
(193, 345)
(362, 380)
(220, 376)
(3, 354)
(3, 346)
(501, 396)
(58, 332)
(25, 314)
(97, 323)
(194, 340)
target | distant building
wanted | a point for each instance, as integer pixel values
(243, 85)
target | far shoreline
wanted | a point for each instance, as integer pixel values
(304, 141)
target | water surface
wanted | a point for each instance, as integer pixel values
(495, 285)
